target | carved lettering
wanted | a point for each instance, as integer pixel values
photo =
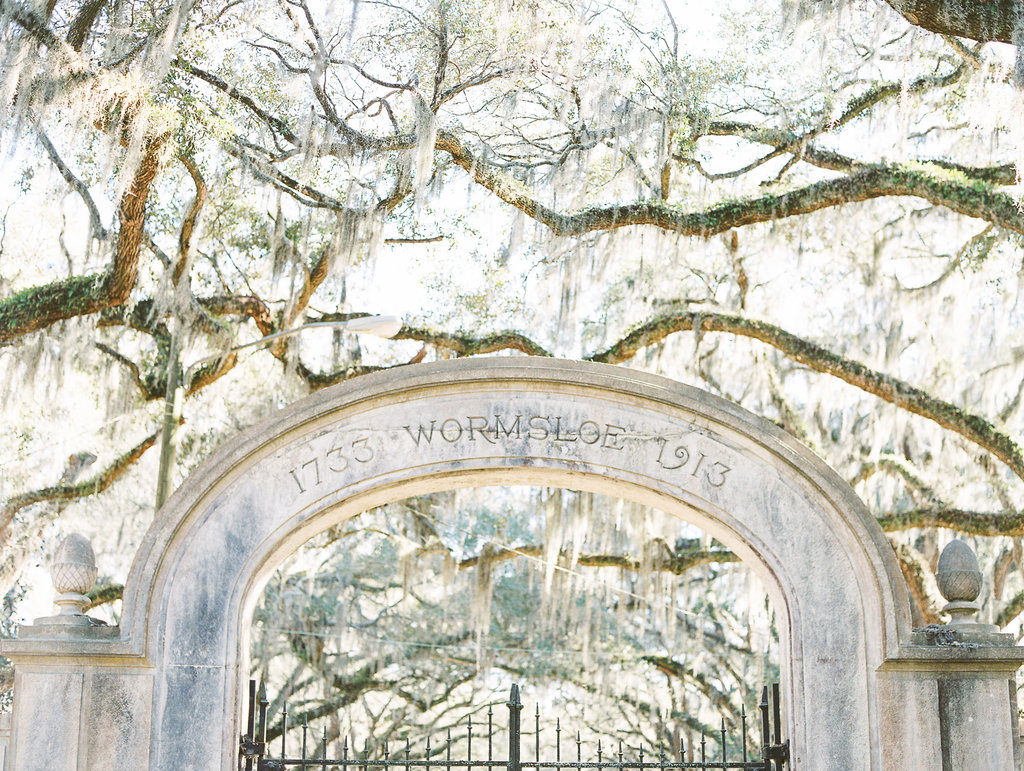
(680, 457)
(499, 427)
(672, 455)
(559, 437)
(451, 430)
(717, 472)
(307, 474)
(590, 432)
(701, 460)
(421, 433)
(537, 428)
(338, 459)
(482, 429)
(362, 451)
(611, 436)
(296, 478)
(681, 454)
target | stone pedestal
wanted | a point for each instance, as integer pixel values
(81, 704)
(83, 700)
(949, 702)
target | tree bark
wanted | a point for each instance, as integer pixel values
(981, 20)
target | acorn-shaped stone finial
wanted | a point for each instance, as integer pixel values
(74, 574)
(959, 580)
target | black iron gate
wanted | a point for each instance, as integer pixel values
(255, 753)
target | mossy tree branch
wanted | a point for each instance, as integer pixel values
(1011, 610)
(39, 307)
(68, 492)
(972, 427)
(105, 594)
(468, 345)
(934, 184)
(677, 562)
(920, 584)
(902, 468)
(981, 20)
(960, 520)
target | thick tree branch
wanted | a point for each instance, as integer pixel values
(271, 121)
(677, 562)
(784, 141)
(74, 67)
(904, 469)
(939, 186)
(149, 391)
(80, 26)
(960, 520)
(191, 220)
(972, 427)
(95, 221)
(104, 594)
(918, 578)
(1011, 610)
(981, 20)
(318, 380)
(66, 492)
(467, 345)
(38, 307)
(672, 668)
(241, 305)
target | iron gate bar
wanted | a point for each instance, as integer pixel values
(515, 707)
(253, 746)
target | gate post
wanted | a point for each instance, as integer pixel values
(948, 701)
(82, 698)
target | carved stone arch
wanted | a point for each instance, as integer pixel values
(842, 602)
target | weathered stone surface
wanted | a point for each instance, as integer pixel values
(119, 721)
(5, 739)
(47, 719)
(910, 734)
(976, 728)
(836, 587)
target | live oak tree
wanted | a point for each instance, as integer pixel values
(813, 215)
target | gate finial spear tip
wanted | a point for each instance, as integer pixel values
(513, 697)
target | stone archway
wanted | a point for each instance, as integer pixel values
(175, 663)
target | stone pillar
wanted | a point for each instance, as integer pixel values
(948, 701)
(82, 700)
(5, 739)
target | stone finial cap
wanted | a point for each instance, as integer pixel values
(958, 574)
(74, 573)
(74, 565)
(959, 580)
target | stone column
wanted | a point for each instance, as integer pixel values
(948, 701)
(82, 699)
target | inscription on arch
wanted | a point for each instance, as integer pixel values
(683, 453)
